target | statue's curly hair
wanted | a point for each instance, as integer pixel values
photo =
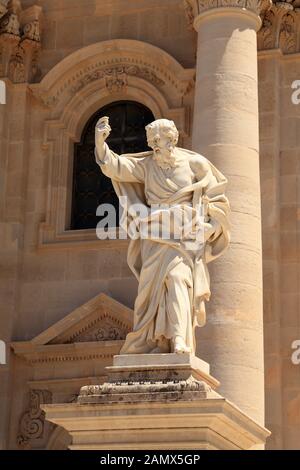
(159, 126)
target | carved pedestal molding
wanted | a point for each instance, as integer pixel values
(20, 42)
(155, 401)
(146, 378)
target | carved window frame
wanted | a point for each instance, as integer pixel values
(74, 90)
(86, 197)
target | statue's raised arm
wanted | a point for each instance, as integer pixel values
(117, 167)
(102, 132)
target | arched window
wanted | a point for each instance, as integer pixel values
(90, 187)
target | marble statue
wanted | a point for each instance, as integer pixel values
(172, 273)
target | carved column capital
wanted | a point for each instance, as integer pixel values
(31, 20)
(9, 35)
(196, 8)
(20, 42)
(9, 23)
(3, 10)
(281, 27)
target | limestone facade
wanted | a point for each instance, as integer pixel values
(61, 61)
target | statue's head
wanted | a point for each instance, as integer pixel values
(162, 137)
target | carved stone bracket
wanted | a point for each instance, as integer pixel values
(33, 420)
(20, 42)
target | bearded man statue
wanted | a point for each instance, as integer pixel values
(172, 271)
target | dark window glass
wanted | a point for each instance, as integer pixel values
(90, 187)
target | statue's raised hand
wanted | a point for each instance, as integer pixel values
(102, 131)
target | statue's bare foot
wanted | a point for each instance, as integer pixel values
(163, 346)
(179, 346)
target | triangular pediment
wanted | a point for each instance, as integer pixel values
(101, 323)
(100, 319)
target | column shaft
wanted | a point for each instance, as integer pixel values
(226, 132)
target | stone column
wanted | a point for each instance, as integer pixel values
(226, 132)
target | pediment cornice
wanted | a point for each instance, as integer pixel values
(97, 329)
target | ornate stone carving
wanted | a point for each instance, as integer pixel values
(3, 10)
(266, 38)
(32, 31)
(288, 34)
(110, 333)
(16, 71)
(32, 422)
(116, 77)
(280, 28)
(193, 8)
(189, 13)
(102, 62)
(280, 20)
(35, 69)
(151, 378)
(135, 391)
(292, 3)
(108, 330)
(20, 42)
(10, 22)
(10, 25)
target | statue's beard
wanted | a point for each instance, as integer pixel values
(165, 158)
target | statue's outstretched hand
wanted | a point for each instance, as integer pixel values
(102, 131)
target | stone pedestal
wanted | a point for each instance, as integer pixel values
(151, 377)
(156, 401)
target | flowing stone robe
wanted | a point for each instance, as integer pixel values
(173, 279)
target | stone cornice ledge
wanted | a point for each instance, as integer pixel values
(35, 353)
(194, 8)
(210, 423)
